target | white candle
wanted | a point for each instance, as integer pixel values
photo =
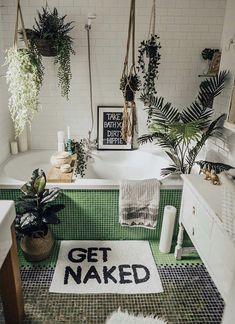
(14, 147)
(167, 229)
(60, 136)
(61, 147)
(68, 133)
(23, 141)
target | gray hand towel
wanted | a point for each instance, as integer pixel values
(138, 203)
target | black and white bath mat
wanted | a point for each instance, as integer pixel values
(99, 267)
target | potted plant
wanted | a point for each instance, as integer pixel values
(182, 134)
(50, 35)
(34, 212)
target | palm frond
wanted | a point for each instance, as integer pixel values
(160, 112)
(201, 107)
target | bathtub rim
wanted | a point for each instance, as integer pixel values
(6, 182)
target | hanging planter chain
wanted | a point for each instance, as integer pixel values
(129, 82)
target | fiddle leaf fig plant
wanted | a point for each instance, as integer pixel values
(183, 134)
(34, 211)
(24, 77)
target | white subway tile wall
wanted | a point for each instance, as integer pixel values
(185, 28)
(6, 132)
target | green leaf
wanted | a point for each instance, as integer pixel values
(50, 194)
(39, 184)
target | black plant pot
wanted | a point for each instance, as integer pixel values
(129, 94)
(46, 47)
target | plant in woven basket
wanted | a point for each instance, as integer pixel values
(183, 134)
(51, 36)
(148, 60)
(34, 212)
(24, 76)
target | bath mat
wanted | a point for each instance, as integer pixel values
(120, 317)
(99, 267)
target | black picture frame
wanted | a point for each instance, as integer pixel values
(109, 126)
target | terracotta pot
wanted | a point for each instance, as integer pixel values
(37, 248)
(46, 47)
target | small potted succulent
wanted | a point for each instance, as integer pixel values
(34, 212)
(50, 35)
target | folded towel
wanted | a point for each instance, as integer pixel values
(138, 203)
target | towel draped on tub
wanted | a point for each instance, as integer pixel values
(138, 203)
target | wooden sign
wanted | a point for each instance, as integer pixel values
(109, 129)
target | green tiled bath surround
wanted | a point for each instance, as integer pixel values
(93, 215)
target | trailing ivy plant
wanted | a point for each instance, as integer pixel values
(78, 148)
(148, 60)
(51, 36)
(183, 134)
(24, 76)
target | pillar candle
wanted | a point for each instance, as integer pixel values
(14, 147)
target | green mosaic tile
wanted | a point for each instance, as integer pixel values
(93, 215)
(159, 258)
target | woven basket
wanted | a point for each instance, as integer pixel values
(37, 249)
(46, 47)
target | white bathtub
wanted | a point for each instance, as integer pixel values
(104, 170)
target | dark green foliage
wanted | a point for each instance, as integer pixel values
(217, 167)
(207, 53)
(33, 211)
(129, 85)
(81, 162)
(50, 26)
(183, 134)
(148, 60)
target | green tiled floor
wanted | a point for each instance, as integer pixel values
(160, 258)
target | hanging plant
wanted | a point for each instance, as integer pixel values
(129, 85)
(50, 36)
(148, 60)
(24, 76)
(78, 148)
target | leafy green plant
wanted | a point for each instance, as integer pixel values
(183, 134)
(148, 60)
(129, 84)
(34, 210)
(51, 36)
(78, 148)
(24, 76)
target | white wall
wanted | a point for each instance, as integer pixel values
(6, 133)
(225, 150)
(184, 26)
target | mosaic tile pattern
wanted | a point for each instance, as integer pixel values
(160, 258)
(93, 215)
(189, 297)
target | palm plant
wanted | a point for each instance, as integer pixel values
(183, 134)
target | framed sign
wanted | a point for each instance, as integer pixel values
(109, 128)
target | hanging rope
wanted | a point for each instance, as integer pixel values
(130, 81)
(152, 23)
(19, 13)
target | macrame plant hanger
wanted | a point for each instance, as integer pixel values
(152, 22)
(129, 110)
(19, 15)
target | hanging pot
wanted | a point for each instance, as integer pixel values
(37, 248)
(46, 47)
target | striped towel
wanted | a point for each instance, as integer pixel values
(138, 203)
